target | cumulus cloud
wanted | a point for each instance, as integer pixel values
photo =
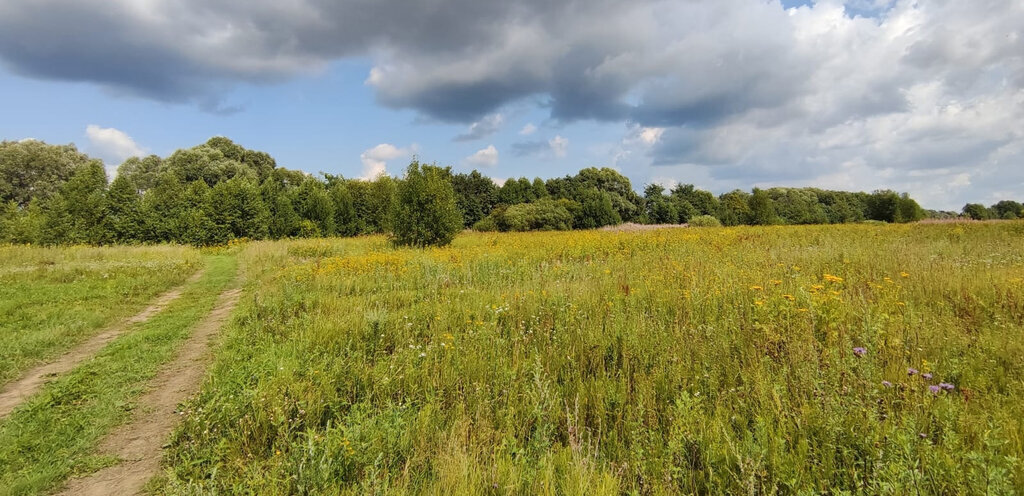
(528, 129)
(487, 157)
(375, 160)
(483, 128)
(111, 145)
(916, 92)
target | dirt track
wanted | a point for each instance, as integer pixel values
(29, 383)
(138, 444)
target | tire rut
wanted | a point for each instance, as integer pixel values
(139, 443)
(19, 390)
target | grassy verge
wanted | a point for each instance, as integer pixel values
(52, 436)
(685, 361)
(53, 298)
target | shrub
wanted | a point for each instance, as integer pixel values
(425, 212)
(705, 221)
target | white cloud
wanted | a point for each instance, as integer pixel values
(375, 160)
(559, 146)
(111, 145)
(528, 129)
(499, 181)
(487, 157)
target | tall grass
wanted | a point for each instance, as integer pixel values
(720, 361)
(54, 298)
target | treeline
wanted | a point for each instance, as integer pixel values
(219, 191)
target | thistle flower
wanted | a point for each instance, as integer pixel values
(887, 384)
(911, 371)
(934, 389)
(946, 386)
(860, 351)
(926, 376)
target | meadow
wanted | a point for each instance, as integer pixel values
(856, 359)
(853, 359)
(52, 298)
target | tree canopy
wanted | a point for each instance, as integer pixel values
(219, 190)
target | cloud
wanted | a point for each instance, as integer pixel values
(482, 128)
(730, 91)
(375, 160)
(111, 145)
(487, 157)
(528, 129)
(557, 147)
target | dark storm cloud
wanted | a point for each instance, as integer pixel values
(746, 89)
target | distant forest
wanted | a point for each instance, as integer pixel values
(219, 191)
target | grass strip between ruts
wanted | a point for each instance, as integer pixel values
(53, 435)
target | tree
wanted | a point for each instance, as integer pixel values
(237, 211)
(75, 214)
(312, 203)
(596, 210)
(660, 209)
(123, 220)
(32, 169)
(161, 208)
(425, 212)
(1008, 209)
(475, 194)
(977, 211)
(734, 208)
(762, 211)
(344, 212)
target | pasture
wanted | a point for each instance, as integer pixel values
(852, 359)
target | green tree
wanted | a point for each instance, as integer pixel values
(75, 215)
(313, 203)
(345, 223)
(32, 169)
(1008, 209)
(977, 211)
(237, 211)
(123, 220)
(660, 209)
(596, 210)
(762, 211)
(476, 196)
(142, 172)
(194, 224)
(734, 208)
(161, 209)
(425, 212)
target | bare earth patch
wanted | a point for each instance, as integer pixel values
(21, 389)
(632, 227)
(138, 444)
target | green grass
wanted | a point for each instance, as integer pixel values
(53, 435)
(715, 361)
(54, 298)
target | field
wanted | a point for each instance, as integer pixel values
(858, 359)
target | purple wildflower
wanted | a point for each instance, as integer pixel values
(926, 376)
(934, 389)
(946, 386)
(859, 351)
(911, 371)
(922, 435)
(887, 384)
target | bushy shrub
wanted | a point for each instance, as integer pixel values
(705, 221)
(425, 212)
(541, 215)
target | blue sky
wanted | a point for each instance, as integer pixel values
(920, 96)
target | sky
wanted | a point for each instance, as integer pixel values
(922, 96)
